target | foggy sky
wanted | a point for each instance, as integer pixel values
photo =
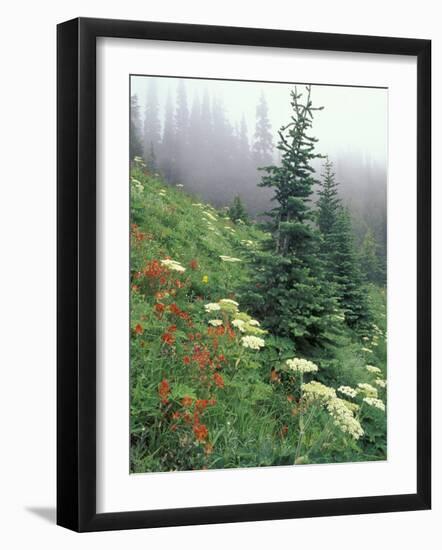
(352, 124)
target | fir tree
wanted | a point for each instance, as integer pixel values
(237, 210)
(152, 125)
(262, 143)
(345, 273)
(135, 137)
(328, 203)
(168, 143)
(290, 290)
(369, 259)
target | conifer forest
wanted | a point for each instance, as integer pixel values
(258, 275)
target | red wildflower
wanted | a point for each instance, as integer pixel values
(218, 379)
(172, 328)
(173, 308)
(164, 390)
(135, 288)
(193, 264)
(176, 415)
(212, 401)
(201, 404)
(284, 431)
(159, 308)
(187, 417)
(274, 376)
(138, 329)
(168, 338)
(208, 448)
(186, 359)
(186, 401)
(201, 432)
(221, 358)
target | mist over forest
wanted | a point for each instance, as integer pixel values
(213, 138)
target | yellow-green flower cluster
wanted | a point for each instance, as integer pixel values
(374, 402)
(368, 389)
(343, 417)
(381, 383)
(301, 365)
(315, 391)
(244, 323)
(212, 307)
(373, 370)
(229, 306)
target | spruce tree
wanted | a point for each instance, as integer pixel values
(135, 137)
(328, 202)
(290, 290)
(344, 271)
(263, 143)
(168, 143)
(152, 124)
(237, 210)
(369, 259)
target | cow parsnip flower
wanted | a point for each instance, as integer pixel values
(373, 370)
(230, 306)
(343, 417)
(374, 402)
(239, 324)
(316, 391)
(252, 342)
(368, 389)
(173, 265)
(348, 391)
(230, 259)
(367, 350)
(215, 322)
(381, 383)
(212, 307)
(301, 365)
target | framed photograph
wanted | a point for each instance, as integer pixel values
(243, 274)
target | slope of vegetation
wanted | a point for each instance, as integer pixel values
(214, 387)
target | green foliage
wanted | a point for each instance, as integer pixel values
(199, 398)
(369, 259)
(290, 291)
(237, 211)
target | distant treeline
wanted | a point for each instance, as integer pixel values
(197, 145)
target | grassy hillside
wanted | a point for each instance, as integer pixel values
(210, 387)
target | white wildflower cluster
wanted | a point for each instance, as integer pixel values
(212, 307)
(162, 192)
(315, 391)
(368, 389)
(137, 185)
(373, 370)
(348, 391)
(375, 402)
(247, 243)
(340, 410)
(215, 322)
(244, 323)
(343, 417)
(140, 162)
(252, 342)
(230, 259)
(179, 185)
(301, 365)
(173, 265)
(367, 350)
(210, 216)
(381, 383)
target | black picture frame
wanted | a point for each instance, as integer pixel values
(76, 274)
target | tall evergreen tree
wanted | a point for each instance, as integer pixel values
(152, 125)
(345, 273)
(135, 136)
(168, 143)
(328, 202)
(182, 130)
(237, 210)
(369, 259)
(262, 143)
(290, 290)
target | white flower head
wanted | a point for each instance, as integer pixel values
(215, 322)
(373, 370)
(239, 324)
(173, 265)
(212, 307)
(301, 365)
(230, 259)
(368, 389)
(252, 342)
(348, 391)
(380, 383)
(374, 402)
(343, 418)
